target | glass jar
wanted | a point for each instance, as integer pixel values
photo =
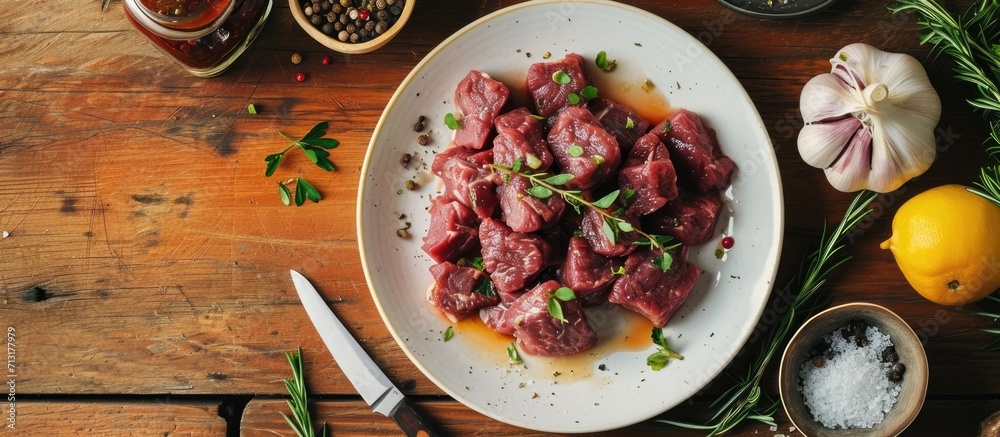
(203, 36)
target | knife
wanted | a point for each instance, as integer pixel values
(366, 377)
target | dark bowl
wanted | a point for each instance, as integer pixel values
(777, 8)
(911, 353)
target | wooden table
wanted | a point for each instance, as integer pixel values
(145, 262)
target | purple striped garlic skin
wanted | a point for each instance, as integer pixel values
(870, 122)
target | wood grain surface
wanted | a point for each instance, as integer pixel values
(147, 255)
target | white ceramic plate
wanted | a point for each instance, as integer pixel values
(573, 394)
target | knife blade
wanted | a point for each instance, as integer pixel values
(363, 373)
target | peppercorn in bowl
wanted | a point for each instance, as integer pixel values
(853, 370)
(352, 26)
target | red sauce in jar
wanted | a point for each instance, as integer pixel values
(204, 36)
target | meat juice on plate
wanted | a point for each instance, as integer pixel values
(500, 196)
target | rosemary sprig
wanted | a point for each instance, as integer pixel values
(967, 39)
(544, 185)
(742, 401)
(989, 184)
(299, 405)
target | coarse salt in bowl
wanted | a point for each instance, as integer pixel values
(911, 390)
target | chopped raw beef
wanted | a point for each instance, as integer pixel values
(652, 292)
(615, 118)
(513, 259)
(538, 333)
(454, 291)
(479, 98)
(496, 318)
(649, 175)
(583, 148)
(524, 212)
(521, 136)
(550, 96)
(452, 230)
(690, 218)
(464, 181)
(589, 275)
(699, 161)
(593, 230)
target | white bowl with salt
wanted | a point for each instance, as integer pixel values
(853, 370)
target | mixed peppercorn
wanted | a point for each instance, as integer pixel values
(353, 21)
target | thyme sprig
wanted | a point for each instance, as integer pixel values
(743, 401)
(298, 403)
(544, 185)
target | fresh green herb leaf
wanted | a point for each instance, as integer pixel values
(573, 202)
(564, 294)
(477, 263)
(310, 192)
(598, 159)
(272, 163)
(485, 287)
(286, 196)
(589, 92)
(625, 226)
(664, 261)
(539, 192)
(251, 109)
(300, 194)
(560, 179)
(608, 200)
(326, 143)
(575, 151)
(627, 194)
(451, 121)
(317, 132)
(299, 402)
(573, 98)
(555, 310)
(311, 154)
(629, 124)
(619, 271)
(663, 354)
(719, 253)
(538, 117)
(512, 355)
(449, 333)
(532, 161)
(666, 126)
(560, 77)
(603, 63)
(517, 165)
(609, 231)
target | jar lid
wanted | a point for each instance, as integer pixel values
(145, 17)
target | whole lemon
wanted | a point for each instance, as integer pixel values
(946, 242)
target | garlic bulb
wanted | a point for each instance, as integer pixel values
(870, 121)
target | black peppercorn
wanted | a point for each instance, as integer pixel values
(395, 10)
(331, 17)
(382, 15)
(345, 19)
(325, 6)
(380, 5)
(350, 28)
(336, 8)
(419, 125)
(424, 139)
(338, 26)
(405, 159)
(354, 37)
(328, 29)
(390, 2)
(316, 19)
(370, 26)
(889, 355)
(363, 33)
(381, 27)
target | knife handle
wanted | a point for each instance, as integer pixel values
(411, 422)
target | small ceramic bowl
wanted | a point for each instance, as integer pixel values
(911, 353)
(335, 44)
